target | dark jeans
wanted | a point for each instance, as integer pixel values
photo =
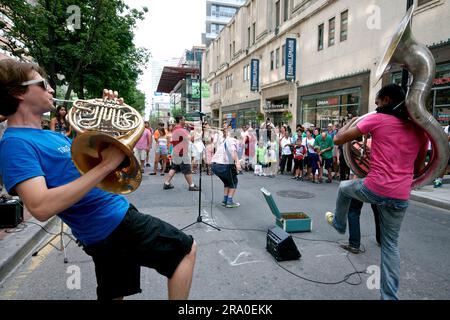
(344, 170)
(353, 223)
(286, 159)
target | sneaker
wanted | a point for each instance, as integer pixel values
(162, 174)
(223, 203)
(152, 174)
(294, 178)
(437, 183)
(329, 217)
(232, 205)
(148, 165)
(168, 186)
(194, 188)
(351, 249)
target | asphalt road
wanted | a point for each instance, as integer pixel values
(233, 264)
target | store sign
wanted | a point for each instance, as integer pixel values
(328, 102)
(291, 59)
(254, 75)
(441, 81)
(275, 107)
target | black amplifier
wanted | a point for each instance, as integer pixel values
(11, 213)
(281, 245)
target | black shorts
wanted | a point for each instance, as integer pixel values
(298, 164)
(328, 163)
(139, 240)
(224, 172)
(183, 168)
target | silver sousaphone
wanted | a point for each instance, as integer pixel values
(405, 51)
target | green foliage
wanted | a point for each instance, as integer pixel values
(98, 53)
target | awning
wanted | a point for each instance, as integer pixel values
(171, 76)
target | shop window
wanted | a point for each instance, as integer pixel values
(396, 78)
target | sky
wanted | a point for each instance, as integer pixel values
(170, 27)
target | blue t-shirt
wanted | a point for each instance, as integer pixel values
(27, 153)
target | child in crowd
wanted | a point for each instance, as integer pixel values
(299, 155)
(316, 162)
(272, 166)
(261, 157)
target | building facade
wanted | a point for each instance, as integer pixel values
(218, 14)
(314, 61)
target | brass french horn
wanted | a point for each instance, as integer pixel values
(405, 51)
(100, 123)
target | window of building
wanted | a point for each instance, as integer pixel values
(245, 75)
(234, 48)
(286, 10)
(277, 58)
(216, 87)
(229, 82)
(332, 107)
(271, 60)
(283, 55)
(248, 36)
(254, 33)
(320, 45)
(331, 31)
(277, 14)
(231, 52)
(344, 25)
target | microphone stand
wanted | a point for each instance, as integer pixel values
(199, 217)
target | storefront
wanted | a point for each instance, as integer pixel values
(241, 114)
(330, 107)
(278, 111)
(438, 102)
(333, 101)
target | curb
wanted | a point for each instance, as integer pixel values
(15, 249)
(432, 202)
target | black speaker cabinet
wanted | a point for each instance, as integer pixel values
(281, 245)
(11, 213)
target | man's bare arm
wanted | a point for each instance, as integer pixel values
(44, 203)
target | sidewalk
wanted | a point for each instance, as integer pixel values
(17, 243)
(437, 197)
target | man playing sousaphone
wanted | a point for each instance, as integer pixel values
(398, 149)
(37, 166)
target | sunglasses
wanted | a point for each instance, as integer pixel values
(40, 82)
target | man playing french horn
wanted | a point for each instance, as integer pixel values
(37, 166)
